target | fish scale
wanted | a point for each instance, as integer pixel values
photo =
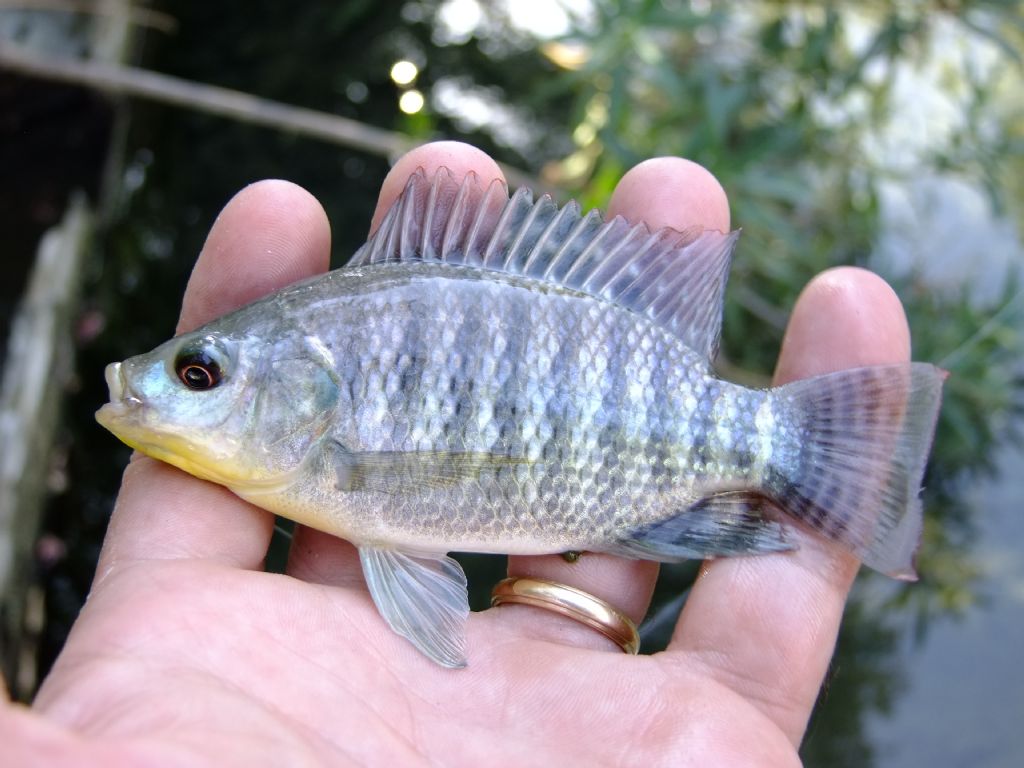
(493, 374)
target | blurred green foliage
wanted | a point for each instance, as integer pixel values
(788, 103)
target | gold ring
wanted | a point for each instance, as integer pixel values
(571, 602)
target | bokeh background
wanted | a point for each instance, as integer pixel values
(887, 134)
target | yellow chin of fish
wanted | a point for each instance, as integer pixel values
(189, 456)
(183, 455)
(173, 450)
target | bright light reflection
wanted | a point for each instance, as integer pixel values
(404, 72)
(411, 102)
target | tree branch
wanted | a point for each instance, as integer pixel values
(237, 105)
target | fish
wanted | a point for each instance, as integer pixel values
(491, 373)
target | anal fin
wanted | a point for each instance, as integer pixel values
(423, 598)
(728, 523)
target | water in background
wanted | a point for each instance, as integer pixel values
(963, 700)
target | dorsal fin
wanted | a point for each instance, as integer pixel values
(677, 279)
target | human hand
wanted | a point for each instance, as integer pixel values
(187, 652)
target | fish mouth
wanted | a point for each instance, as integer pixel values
(115, 381)
(124, 403)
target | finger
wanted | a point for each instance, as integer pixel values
(663, 192)
(315, 556)
(766, 626)
(461, 159)
(270, 234)
(320, 558)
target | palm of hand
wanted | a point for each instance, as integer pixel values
(187, 652)
(207, 662)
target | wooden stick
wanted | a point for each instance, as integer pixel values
(146, 84)
(39, 364)
(138, 16)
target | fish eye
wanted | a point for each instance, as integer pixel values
(198, 368)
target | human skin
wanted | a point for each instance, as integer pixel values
(187, 653)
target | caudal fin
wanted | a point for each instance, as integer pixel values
(852, 468)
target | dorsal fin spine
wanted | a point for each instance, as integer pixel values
(394, 232)
(571, 210)
(380, 244)
(668, 292)
(426, 246)
(493, 257)
(577, 273)
(457, 216)
(637, 241)
(477, 236)
(398, 237)
(639, 278)
(540, 256)
(612, 272)
(511, 262)
(590, 256)
(650, 282)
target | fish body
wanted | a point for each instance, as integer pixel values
(495, 375)
(467, 418)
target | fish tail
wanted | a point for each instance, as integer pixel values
(851, 454)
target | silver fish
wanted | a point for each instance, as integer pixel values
(497, 375)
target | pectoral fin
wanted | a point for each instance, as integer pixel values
(398, 472)
(423, 598)
(729, 523)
